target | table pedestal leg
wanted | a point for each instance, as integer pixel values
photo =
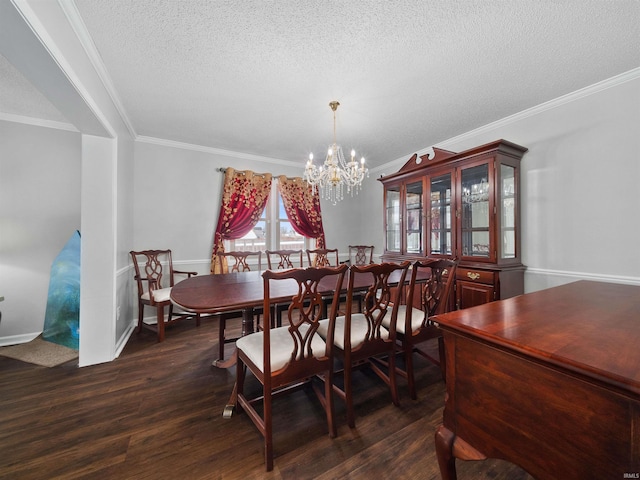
(247, 328)
(247, 321)
(231, 404)
(222, 363)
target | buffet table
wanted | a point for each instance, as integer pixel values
(548, 380)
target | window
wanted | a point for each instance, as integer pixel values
(272, 232)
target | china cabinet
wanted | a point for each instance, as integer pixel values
(462, 205)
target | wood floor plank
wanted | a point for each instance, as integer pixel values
(156, 413)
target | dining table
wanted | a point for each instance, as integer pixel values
(244, 291)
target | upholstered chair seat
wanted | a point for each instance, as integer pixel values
(281, 347)
(160, 295)
(417, 318)
(359, 328)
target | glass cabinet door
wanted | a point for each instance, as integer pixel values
(440, 239)
(413, 205)
(392, 218)
(474, 214)
(508, 205)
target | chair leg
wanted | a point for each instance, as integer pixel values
(140, 316)
(330, 409)
(160, 322)
(197, 319)
(348, 395)
(268, 431)
(408, 360)
(393, 384)
(241, 371)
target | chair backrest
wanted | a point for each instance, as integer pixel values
(303, 316)
(240, 261)
(279, 259)
(380, 299)
(360, 254)
(152, 266)
(323, 257)
(434, 293)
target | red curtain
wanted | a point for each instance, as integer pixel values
(244, 196)
(302, 206)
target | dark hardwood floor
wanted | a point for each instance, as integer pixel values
(156, 413)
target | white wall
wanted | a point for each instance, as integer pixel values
(49, 47)
(39, 211)
(579, 208)
(579, 183)
(176, 198)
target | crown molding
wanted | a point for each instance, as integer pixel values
(215, 151)
(70, 10)
(38, 122)
(530, 112)
(100, 124)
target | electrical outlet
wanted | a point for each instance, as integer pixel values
(118, 313)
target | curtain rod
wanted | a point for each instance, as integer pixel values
(224, 170)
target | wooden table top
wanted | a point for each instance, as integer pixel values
(592, 328)
(221, 293)
(238, 290)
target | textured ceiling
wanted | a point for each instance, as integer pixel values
(256, 76)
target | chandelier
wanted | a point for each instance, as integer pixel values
(336, 172)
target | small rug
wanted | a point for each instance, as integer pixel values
(40, 352)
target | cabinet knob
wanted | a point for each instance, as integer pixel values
(473, 275)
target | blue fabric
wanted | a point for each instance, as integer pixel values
(62, 317)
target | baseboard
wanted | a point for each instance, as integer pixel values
(122, 342)
(18, 339)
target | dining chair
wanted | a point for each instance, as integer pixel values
(230, 262)
(424, 299)
(283, 357)
(360, 254)
(279, 259)
(323, 257)
(241, 261)
(360, 337)
(155, 276)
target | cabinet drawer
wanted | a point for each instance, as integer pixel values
(471, 275)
